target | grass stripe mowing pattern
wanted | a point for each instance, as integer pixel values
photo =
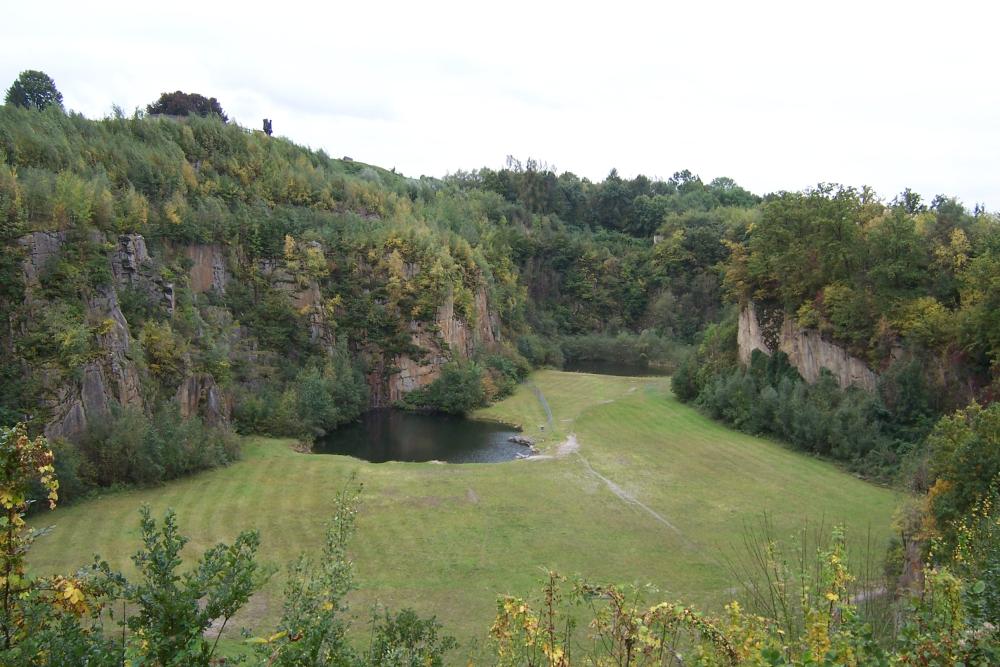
(446, 539)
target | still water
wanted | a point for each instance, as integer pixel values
(611, 368)
(397, 435)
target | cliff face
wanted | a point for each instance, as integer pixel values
(806, 350)
(77, 398)
(110, 375)
(449, 337)
(208, 268)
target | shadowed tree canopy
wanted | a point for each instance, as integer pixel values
(179, 103)
(34, 90)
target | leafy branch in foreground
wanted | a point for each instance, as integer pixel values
(937, 627)
(313, 626)
(175, 610)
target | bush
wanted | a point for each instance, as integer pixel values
(316, 401)
(132, 448)
(540, 351)
(770, 398)
(458, 390)
(644, 349)
(505, 368)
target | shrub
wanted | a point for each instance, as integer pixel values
(457, 391)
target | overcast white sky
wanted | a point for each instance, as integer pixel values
(778, 95)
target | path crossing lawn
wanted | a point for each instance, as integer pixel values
(655, 493)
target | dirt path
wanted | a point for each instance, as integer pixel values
(541, 399)
(630, 499)
(571, 446)
(567, 446)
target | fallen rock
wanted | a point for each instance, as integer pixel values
(521, 440)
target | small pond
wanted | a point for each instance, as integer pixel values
(611, 368)
(397, 435)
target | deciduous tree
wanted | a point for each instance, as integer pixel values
(34, 90)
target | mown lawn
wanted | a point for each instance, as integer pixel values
(447, 539)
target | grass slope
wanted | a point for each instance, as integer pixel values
(446, 539)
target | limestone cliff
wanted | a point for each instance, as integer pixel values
(806, 349)
(448, 337)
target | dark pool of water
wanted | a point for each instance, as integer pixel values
(611, 368)
(397, 435)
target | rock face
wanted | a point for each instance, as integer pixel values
(806, 350)
(307, 298)
(75, 398)
(208, 270)
(449, 337)
(111, 376)
(200, 395)
(749, 336)
(132, 267)
(40, 248)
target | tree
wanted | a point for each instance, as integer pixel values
(174, 610)
(34, 90)
(23, 463)
(179, 103)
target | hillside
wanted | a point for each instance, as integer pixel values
(190, 305)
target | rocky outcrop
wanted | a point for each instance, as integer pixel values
(306, 297)
(132, 267)
(208, 268)
(110, 375)
(749, 335)
(200, 395)
(806, 350)
(448, 337)
(40, 249)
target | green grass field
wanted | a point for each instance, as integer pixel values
(655, 493)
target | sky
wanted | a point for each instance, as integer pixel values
(777, 95)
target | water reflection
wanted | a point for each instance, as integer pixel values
(612, 368)
(396, 435)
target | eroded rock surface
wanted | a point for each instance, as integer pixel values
(806, 350)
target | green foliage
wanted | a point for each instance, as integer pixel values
(34, 90)
(769, 397)
(178, 103)
(164, 352)
(130, 447)
(539, 351)
(504, 368)
(22, 462)
(975, 558)
(645, 349)
(173, 610)
(406, 640)
(458, 390)
(818, 592)
(874, 277)
(326, 399)
(963, 458)
(315, 401)
(938, 631)
(313, 625)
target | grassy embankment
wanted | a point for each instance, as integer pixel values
(446, 539)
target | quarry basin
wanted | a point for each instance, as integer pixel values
(388, 434)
